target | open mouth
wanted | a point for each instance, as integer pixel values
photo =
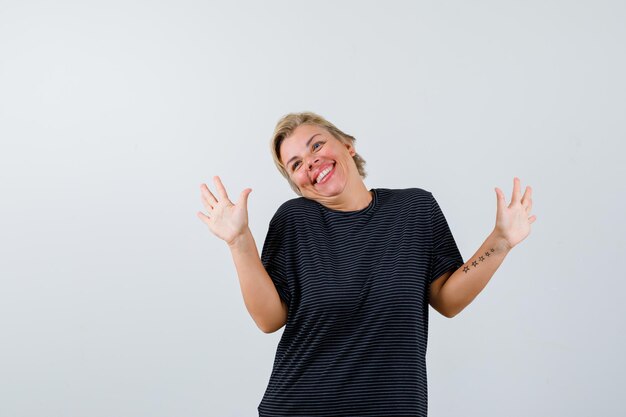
(328, 172)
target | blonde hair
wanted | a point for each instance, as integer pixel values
(288, 124)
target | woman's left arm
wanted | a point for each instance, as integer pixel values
(512, 226)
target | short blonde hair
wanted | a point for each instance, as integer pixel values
(288, 124)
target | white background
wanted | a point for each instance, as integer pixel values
(116, 300)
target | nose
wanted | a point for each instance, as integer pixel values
(309, 164)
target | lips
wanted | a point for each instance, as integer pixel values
(322, 168)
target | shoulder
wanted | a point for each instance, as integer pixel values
(291, 209)
(413, 195)
(404, 204)
(293, 206)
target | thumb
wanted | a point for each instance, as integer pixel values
(500, 198)
(243, 198)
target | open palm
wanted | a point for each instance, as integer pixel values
(513, 221)
(225, 219)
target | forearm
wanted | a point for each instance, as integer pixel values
(470, 279)
(259, 293)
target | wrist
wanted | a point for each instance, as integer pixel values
(240, 241)
(500, 242)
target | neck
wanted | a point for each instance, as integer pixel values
(354, 198)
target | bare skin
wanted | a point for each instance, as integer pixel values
(307, 153)
(311, 149)
(225, 219)
(229, 222)
(455, 290)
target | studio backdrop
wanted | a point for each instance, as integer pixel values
(116, 300)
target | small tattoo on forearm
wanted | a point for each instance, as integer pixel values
(480, 258)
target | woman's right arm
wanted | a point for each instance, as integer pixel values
(268, 311)
(229, 222)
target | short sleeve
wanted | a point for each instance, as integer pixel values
(273, 258)
(445, 254)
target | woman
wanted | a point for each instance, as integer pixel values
(350, 272)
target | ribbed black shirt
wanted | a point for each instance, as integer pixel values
(356, 284)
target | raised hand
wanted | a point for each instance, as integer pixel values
(226, 220)
(513, 221)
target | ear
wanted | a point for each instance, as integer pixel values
(351, 149)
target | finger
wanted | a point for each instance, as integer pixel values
(207, 206)
(526, 195)
(515, 197)
(500, 198)
(243, 198)
(208, 196)
(220, 188)
(527, 201)
(206, 219)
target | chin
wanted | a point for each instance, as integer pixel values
(328, 192)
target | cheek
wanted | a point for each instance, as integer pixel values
(304, 178)
(299, 177)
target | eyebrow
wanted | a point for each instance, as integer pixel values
(307, 145)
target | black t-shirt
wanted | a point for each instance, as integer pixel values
(356, 284)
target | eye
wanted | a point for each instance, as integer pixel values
(295, 164)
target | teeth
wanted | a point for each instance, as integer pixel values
(323, 174)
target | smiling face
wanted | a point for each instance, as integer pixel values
(310, 151)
